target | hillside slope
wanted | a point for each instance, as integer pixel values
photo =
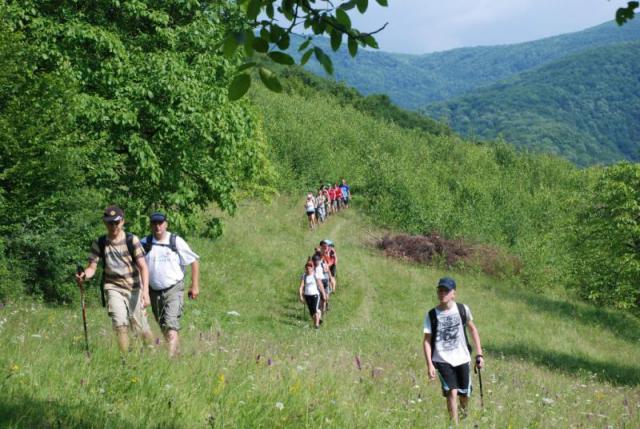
(414, 81)
(263, 365)
(584, 107)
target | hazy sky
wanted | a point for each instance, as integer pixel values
(421, 26)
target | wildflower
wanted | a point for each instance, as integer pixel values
(82, 382)
(233, 313)
(358, 364)
(269, 361)
(279, 406)
(220, 384)
(14, 368)
(157, 341)
(134, 380)
(258, 358)
(547, 401)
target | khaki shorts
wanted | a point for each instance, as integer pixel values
(167, 306)
(125, 309)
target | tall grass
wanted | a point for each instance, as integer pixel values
(550, 362)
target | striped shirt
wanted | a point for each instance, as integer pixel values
(120, 271)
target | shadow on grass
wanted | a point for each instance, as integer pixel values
(293, 312)
(618, 323)
(26, 412)
(571, 364)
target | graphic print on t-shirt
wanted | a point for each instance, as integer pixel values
(448, 330)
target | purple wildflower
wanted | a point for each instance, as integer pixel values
(157, 341)
(358, 363)
(258, 358)
(269, 361)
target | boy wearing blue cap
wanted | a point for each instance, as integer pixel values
(446, 347)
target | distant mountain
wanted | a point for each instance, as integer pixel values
(414, 81)
(585, 107)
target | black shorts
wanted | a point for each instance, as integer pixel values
(455, 377)
(313, 302)
(332, 268)
(309, 214)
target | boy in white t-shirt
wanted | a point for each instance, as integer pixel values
(448, 351)
(166, 256)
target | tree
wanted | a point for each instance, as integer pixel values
(607, 240)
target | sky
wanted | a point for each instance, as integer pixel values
(423, 26)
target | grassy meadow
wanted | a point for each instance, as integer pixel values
(250, 358)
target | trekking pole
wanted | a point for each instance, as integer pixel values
(479, 372)
(80, 270)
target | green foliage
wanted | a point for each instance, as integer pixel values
(259, 29)
(115, 102)
(418, 182)
(607, 240)
(583, 107)
(624, 14)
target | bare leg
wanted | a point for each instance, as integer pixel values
(452, 405)
(122, 332)
(171, 336)
(316, 318)
(464, 401)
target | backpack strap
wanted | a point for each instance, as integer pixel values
(148, 243)
(463, 316)
(434, 329)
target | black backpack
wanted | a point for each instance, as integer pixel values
(148, 244)
(102, 244)
(434, 326)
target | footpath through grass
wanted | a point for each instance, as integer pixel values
(250, 358)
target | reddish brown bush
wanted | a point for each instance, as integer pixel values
(434, 249)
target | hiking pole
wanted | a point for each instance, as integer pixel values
(79, 271)
(479, 372)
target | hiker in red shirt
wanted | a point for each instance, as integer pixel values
(338, 193)
(332, 197)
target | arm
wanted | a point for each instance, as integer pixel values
(301, 290)
(144, 278)
(88, 272)
(476, 340)
(426, 348)
(194, 291)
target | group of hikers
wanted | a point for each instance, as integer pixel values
(141, 273)
(150, 272)
(318, 281)
(328, 199)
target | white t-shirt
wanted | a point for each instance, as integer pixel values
(165, 267)
(319, 272)
(311, 207)
(450, 346)
(310, 285)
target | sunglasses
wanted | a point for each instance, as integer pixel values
(113, 222)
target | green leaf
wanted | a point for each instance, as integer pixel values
(324, 60)
(281, 58)
(370, 41)
(348, 5)
(305, 57)
(284, 41)
(336, 39)
(248, 44)
(246, 66)
(343, 18)
(304, 45)
(270, 80)
(229, 46)
(239, 86)
(253, 9)
(383, 2)
(270, 11)
(353, 46)
(261, 45)
(362, 5)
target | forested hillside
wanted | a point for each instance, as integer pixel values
(414, 81)
(584, 107)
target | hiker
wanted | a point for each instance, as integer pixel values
(446, 347)
(324, 275)
(331, 258)
(320, 212)
(338, 192)
(310, 209)
(346, 193)
(332, 197)
(125, 278)
(167, 254)
(311, 291)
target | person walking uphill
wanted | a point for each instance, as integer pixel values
(446, 347)
(167, 255)
(126, 278)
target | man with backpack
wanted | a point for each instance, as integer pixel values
(125, 279)
(446, 347)
(167, 254)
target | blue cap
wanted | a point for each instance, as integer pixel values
(447, 282)
(158, 217)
